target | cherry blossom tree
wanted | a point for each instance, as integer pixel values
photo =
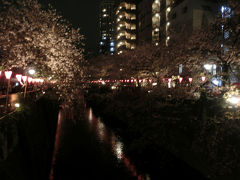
(217, 43)
(105, 67)
(34, 36)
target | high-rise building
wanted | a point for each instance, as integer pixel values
(157, 18)
(107, 25)
(145, 21)
(126, 25)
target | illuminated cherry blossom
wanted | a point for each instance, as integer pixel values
(34, 36)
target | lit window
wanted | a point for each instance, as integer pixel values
(168, 9)
(168, 23)
(223, 9)
(120, 52)
(104, 10)
(133, 7)
(101, 43)
(226, 34)
(128, 6)
(128, 26)
(119, 44)
(157, 15)
(112, 44)
(133, 37)
(133, 27)
(157, 29)
(226, 49)
(104, 15)
(133, 17)
(112, 49)
(180, 69)
(226, 12)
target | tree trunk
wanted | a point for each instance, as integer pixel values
(225, 74)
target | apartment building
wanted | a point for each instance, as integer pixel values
(107, 27)
(159, 18)
(126, 25)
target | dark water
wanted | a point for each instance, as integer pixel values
(86, 149)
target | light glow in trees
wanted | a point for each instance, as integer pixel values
(31, 36)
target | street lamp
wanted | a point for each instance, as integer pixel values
(31, 71)
(30, 80)
(190, 79)
(19, 77)
(234, 100)
(17, 105)
(8, 75)
(169, 82)
(180, 79)
(203, 78)
(24, 78)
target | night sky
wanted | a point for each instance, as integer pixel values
(82, 14)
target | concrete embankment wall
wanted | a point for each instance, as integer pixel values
(27, 141)
(8, 137)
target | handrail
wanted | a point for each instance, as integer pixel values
(4, 96)
(1, 118)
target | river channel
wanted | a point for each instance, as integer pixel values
(86, 149)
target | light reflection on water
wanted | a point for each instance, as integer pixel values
(106, 137)
(56, 145)
(100, 130)
(90, 115)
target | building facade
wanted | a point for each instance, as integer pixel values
(145, 21)
(159, 18)
(107, 27)
(126, 25)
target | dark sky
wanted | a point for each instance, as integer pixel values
(82, 14)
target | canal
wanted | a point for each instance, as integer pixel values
(86, 149)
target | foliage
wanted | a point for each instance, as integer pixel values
(105, 67)
(217, 43)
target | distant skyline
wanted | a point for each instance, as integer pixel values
(82, 14)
